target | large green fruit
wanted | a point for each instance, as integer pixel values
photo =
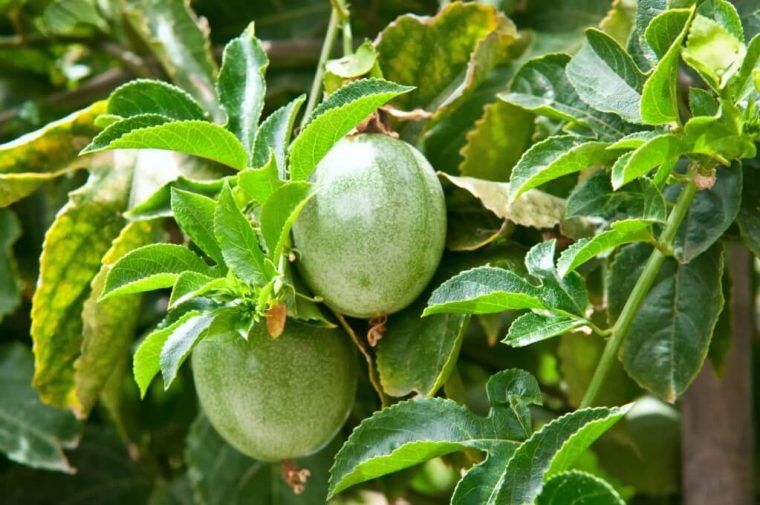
(371, 238)
(274, 399)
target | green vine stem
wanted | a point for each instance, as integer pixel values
(327, 49)
(345, 22)
(640, 290)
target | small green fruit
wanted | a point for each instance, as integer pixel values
(371, 238)
(275, 399)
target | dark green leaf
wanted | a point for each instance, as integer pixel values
(239, 242)
(195, 216)
(578, 488)
(595, 197)
(144, 96)
(671, 333)
(551, 450)
(274, 134)
(241, 86)
(638, 47)
(151, 131)
(31, 433)
(555, 157)
(10, 284)
(605, 77)
(71, 255)
(483, 290)
(334, 118)
(565, 294)
(749, 213)
(702, 102)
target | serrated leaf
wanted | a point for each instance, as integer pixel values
(658, 151)
(179, 40)
(10, 284)
(186, 285)
(179, 343)
(151, 131)
(31, 433)
(719, 136)
(712, 51)
(146, 96)
(638, 47)
(221, 475)
(605, 76)
(564, 294)
(659, 100)
(151, 267)
(496, 142)
(531, 327)
(595, 197)
(740, 84)
(74, 245)
(334, 118)
(146, 362)
(578, 488)
(260, 183)
(549, 451)
(241, 86)
(702, 102)
(666, 348)
(711, 213)
(554, 157)
(415, 431)
(108, 326)
(195, 216)
(239, 242)
(620, 232)
(477, 484)
(158, 204)
(541, 86)
(279, 213)
(483, 290)
(274, 134)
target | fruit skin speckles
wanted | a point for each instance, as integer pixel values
(372, 237)
(275, 399)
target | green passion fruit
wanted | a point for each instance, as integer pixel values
(276, 399)
(371, 238)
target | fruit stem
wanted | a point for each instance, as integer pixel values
(327, 49)
(638, 294)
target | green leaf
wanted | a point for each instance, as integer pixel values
(159, 203)
(621, 232)
(659, 100)
(146, 96)
(605, 77)
(414, 431)
(150, 267)
(10, 284)
(619, 21)
(531, 327)
(719, 136)
(712, 51)
(334, 118)
(15, 187)
(702, 102)
(663, 149)
(74, 245)
(595, 197)
(279, 213)
(711, 213)
(31, 433)
(221, 475)
(351, 66)
(564, 294)
(541, 86)
(638, 47)
(239, 242)
(749, 213)
(147, 359)
(260, 183)
(551, 450)
(151, 131)
(554, 157)
(195, 216)
(496, 142)
(63, 17)
(187, 286)
(180, 41)
(108, 326)
(740, 84)
(478, 483)
(241, 86)
(578, 488)
(274, 134)
(418, 354)
(483, 290)
(666, 348)
(179, 343)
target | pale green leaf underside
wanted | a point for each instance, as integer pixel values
(531, 327)
(578, 488)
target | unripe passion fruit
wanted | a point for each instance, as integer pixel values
(371, 238)
(275, 399)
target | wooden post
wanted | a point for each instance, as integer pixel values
(717, 435)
